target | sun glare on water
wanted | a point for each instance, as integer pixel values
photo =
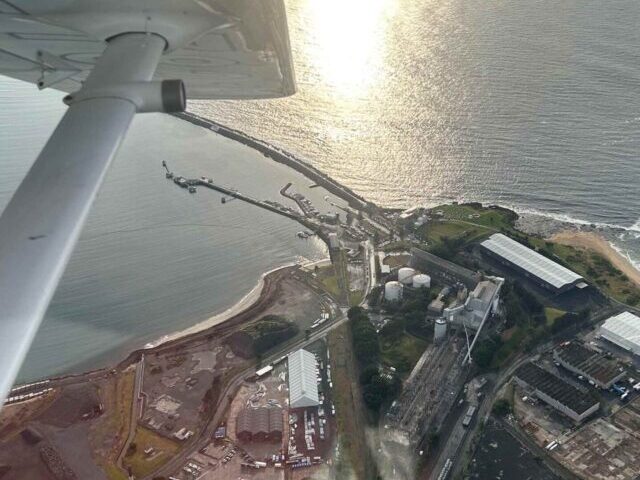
(348, 39)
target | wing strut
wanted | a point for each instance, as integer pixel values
(43, 220)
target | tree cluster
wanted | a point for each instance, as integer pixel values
(377, 389)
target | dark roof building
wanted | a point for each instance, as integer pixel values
(591, 365)
(556, 392)
(260, 424)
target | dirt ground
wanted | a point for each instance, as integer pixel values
(349, 407)
(62, 422)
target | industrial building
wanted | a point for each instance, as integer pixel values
(478, 305)
(623, 330)
(537, 267)
(554, 391)
(260, 424)
(591, 365)
(441, 270)
(303, 386)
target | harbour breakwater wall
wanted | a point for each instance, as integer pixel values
(281, 156)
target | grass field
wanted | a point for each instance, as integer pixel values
(140, 463)
(402, 353)
(110, 432)
(552, 314)
(595, 268)
(466, 223)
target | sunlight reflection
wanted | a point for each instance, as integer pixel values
(348, 38)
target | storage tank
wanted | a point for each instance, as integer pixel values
(440, 330)
(392, 291)
(421, 281)
(405, 275)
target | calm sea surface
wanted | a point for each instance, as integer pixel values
(533, 104)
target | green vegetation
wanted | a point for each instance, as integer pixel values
(263, 335)
(501, 407)
(593, 267)
(525, 327)
(552, 314)
(401, 352)
(459, 225)
(142, 464)
(377, 389)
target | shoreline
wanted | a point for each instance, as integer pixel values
(598, 243)
(246, 302)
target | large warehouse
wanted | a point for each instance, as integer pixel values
(539, 268)
(624, 331)
(588, 363)
(556, 392)
(303, 384)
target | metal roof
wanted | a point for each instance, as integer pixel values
(556, 388)
(530, 260)
(589, 362)
(624, 330)
(303, 385)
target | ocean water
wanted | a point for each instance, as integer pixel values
(152, 259)
(531, 104)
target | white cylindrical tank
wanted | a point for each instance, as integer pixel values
(405, 275)
(392, 291)
(421, 280)
(440, 330)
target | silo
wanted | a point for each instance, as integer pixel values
(421, 281)
(440, 330)
(405, 275)
(392, 291)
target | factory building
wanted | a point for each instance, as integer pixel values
(554, 391)
(303, 387)
(591, 365)
(478, 305)
(262, 424)
(537, 267)
(623, 330)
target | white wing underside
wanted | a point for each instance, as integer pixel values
(241, 49)
(106, 51)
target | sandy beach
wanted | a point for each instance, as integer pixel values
(598, 243)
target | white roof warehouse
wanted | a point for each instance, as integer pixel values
(534, 265)
(623, 330)
(303, 386)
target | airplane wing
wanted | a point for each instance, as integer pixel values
(115, 58)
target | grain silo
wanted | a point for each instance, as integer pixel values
(421, 281)
(392, 291)
(405, 275)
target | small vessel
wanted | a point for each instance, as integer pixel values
(192, 189)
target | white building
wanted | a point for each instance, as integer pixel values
(479, 304)
(539, 268)
(623, 330)
(303, 386)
